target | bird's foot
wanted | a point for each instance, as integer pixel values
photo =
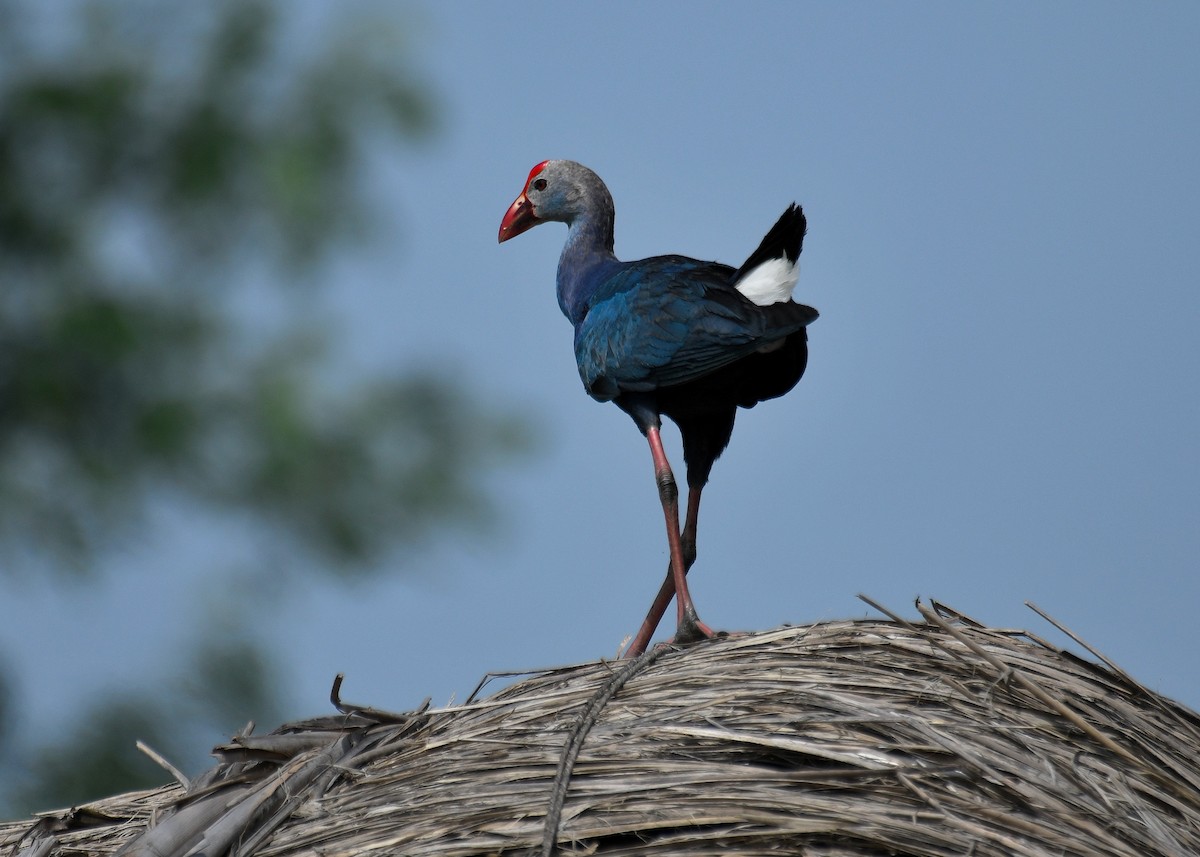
(691, 629)
(693, 634)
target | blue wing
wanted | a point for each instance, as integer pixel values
(668, 320)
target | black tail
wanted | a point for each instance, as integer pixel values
(785, 238)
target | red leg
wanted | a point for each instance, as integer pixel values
(689, 529)
(683, 554)
(667, 591)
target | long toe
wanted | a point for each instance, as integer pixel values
(691, 629)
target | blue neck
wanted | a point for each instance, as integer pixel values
(586, 258)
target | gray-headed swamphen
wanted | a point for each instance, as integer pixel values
(671, 336)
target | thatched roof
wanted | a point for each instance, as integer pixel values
(840, 738)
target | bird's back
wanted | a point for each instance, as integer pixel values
(669, 321)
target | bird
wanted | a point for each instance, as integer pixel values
(671, 336)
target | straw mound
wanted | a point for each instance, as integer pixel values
(841, 738)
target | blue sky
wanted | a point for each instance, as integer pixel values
(1002, 401)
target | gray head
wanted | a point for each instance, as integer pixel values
(557, 190)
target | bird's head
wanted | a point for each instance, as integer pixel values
(555, 190)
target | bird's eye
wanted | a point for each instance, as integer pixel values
(539, 184)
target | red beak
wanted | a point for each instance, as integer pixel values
(519, 218)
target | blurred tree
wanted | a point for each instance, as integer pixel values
(221, 683)
(151, 158)
(172, 179)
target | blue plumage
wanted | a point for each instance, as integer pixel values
(671, 336)
(669, 320)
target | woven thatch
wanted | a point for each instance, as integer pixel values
(841, 738)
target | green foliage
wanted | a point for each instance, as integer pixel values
(220, 686)
(148, 167)
(172, 179)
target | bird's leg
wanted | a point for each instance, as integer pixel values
(683, 553)
(689, 529)
(667, 591)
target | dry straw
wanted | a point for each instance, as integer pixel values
(867, 737)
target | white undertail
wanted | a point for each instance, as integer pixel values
(771, 282)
